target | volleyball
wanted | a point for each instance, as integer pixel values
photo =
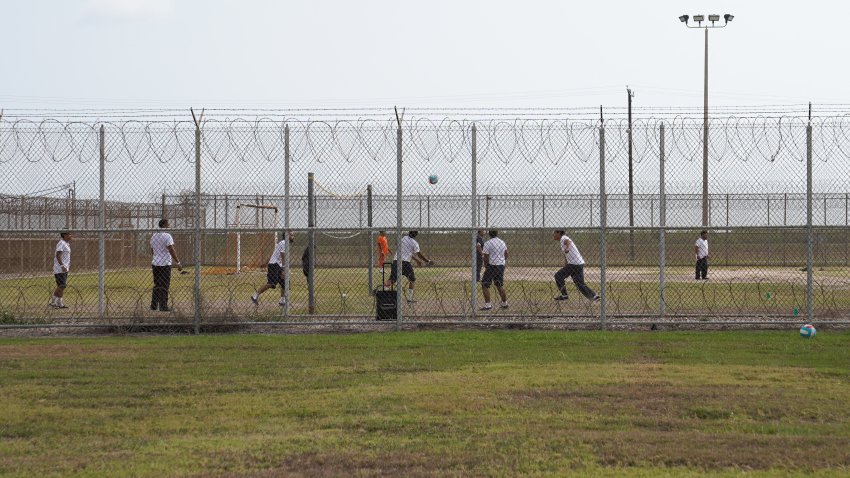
(808, 331)
(432, 179)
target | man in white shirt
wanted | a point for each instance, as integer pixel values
(275, 271)
(409, 251)
(162, 250)
(494, 253)
(701, 254)
(61, 266)
(573, 267)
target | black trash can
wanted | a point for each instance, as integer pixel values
(386, 303)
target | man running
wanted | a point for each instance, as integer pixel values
(573, 267)
(275, 271)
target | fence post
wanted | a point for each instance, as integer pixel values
(398, 292)
(311, 225)
(286, 159)
(662, 223)
(603, 221)
(101, 235)
(487, 211)
(473, 297)
(785, 209)
(197, 248)
(371, 236)
(809, 212)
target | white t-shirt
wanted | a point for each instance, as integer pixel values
(65, 249)
(159, 243)
(409, 246)
(702, 248)
(495, 249)
(572, 254)
(280, 247)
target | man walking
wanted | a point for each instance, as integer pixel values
(494, 252)
(573, 267)
(409, 251)
(162, 250)
(701, 254)
(61, 266)
(275, 271)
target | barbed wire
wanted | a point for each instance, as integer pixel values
(740, 138)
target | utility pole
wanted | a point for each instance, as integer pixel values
(630, 94)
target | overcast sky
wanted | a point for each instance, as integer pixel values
(323, 53)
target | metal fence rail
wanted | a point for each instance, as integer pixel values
(232, 189)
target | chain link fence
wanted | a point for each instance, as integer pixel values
(629, 197)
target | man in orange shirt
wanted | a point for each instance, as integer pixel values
(383, 248)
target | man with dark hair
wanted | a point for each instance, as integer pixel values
(573, 267)
(61, 266)
(701, 254)
(494, 252)
(275, 271)
(162, 250)
(409, 251)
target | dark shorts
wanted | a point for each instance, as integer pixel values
(61, 279)
(406, 271)
(273, 275)
(493, 275)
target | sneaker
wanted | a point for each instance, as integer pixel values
(596, 298)
(503, 306)
(61, 305)
(255, 299)
(562, 297)
(165, 309)
(486, 307)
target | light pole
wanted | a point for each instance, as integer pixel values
(700, 19)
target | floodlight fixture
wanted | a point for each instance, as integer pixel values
(714, 18)
(684, 18)
(728, 17)
(699, 18)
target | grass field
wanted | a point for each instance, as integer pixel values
(501, 403)
(733, 291)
